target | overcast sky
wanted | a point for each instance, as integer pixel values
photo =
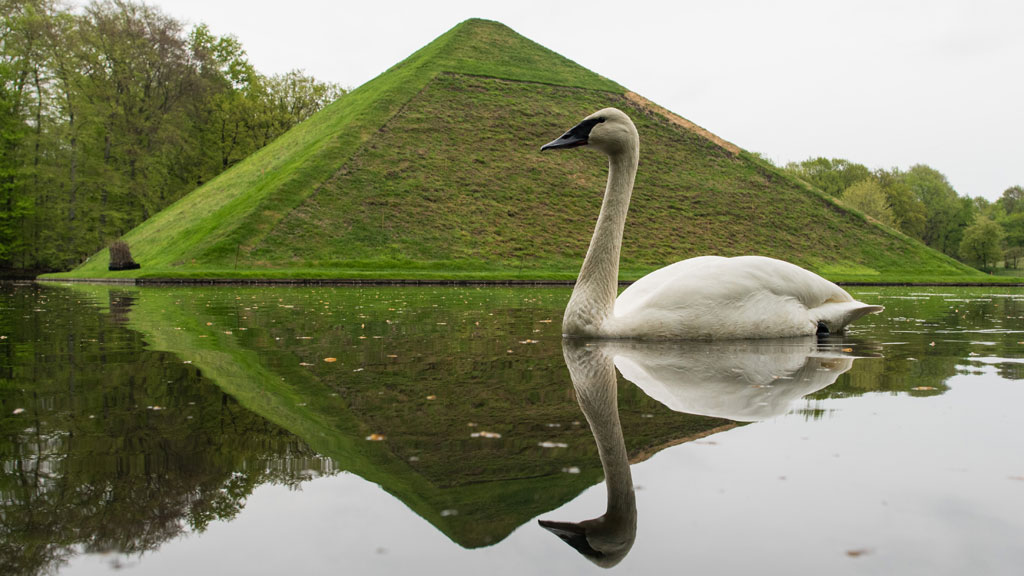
(884, 83)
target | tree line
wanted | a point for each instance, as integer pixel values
(921, 203)
(112, 111)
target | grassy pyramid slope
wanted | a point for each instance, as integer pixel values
(432, 170)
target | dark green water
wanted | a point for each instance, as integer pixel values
(384, 430)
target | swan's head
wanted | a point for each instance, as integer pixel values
(600, 540)
(608, 130)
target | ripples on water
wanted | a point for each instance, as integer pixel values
(384, 430)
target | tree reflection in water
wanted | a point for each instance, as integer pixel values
(120, 448)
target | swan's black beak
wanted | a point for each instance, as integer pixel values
(572, 534)
(567, 140)
(576, 136)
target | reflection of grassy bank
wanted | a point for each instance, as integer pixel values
(474, 355)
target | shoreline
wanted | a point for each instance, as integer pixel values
(415, 282)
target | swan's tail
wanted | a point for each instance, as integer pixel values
(838, 315)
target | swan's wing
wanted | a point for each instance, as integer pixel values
(654, 285)
(721, 280)
(726, 297)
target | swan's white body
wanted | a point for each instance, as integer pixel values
(704, 298)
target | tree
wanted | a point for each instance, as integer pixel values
(946, 213)
(110, 112)
(1012, 200)
(868, 197)
(830, 176)
(908, 211)
(982, 243)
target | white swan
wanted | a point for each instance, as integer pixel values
(704, 298)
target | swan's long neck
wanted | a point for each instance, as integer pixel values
(595, 383)
(593, 298)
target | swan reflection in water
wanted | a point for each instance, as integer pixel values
(743, 381)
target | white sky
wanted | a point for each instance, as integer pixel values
(884, 83)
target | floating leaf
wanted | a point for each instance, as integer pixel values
(18, 411)
(485, 434)
(924, 388)
(432, 397)
(330, 359)
(857, 552)
(375, 437)
(547, 444)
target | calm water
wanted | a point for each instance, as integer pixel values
(400, 430)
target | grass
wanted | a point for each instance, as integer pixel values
(432, 171)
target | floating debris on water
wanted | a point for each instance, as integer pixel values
(552, 444)
(375, 437)
(485, 434)
(18, 411)
(330, 359)
(449, 512)
(571, 470)
(856, 553)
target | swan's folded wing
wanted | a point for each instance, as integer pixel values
(714, 280)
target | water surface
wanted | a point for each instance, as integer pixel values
(390, 430)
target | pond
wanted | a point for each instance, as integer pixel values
(390, 430)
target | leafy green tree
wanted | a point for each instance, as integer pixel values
(1012, 200)
(111, 111)
(868, 197)
(908, 211)
(1013, 227)
(1012, 256)
(982, 243)
(946, 213)
(830, 176)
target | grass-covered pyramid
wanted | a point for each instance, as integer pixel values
(433, 170)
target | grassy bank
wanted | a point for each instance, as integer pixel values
(433, 171)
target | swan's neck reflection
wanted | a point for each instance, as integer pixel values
(604, 540)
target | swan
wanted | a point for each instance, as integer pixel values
(703, 298)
